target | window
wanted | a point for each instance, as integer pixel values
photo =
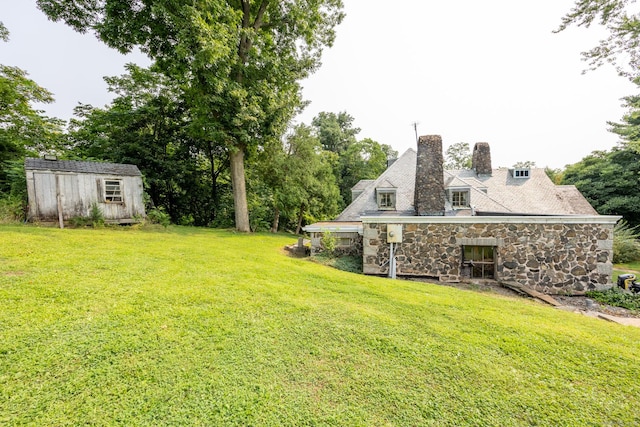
(386, 200)
(481, 261)
(113, 190)
(460, 199)
(521, 173)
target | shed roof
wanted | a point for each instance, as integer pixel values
(82, 167)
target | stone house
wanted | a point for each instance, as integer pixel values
(453, 225)
(59, 190)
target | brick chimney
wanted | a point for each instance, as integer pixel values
(481, 159)
(429, 193)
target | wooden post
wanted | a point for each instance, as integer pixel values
(59, 200)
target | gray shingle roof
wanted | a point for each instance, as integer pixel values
(82, 167)
(499, 193)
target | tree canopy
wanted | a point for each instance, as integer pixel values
(24, 130)
(238, 61)
(622, 21)
(354, 160)
(610, 181)
(458, 156)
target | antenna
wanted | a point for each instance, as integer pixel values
(415, 129)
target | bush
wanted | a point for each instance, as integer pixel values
(626, 244)
(616, 297)
(159, 216)
(95, 218)
(12, 209)
(329, 243)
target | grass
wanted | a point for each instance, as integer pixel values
(632, 267)
(190, 326)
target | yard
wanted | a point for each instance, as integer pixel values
(186, 326)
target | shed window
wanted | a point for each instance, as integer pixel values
(481, 259)
(113, 190)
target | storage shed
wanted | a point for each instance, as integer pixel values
(59, 190)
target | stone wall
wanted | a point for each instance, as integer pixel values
(551, 257)
(429, 187)
(481, 159)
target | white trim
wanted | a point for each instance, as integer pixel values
(569, 219)
(334, 229)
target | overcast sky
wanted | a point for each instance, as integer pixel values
(467, 70)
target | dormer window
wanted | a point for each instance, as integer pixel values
(459, 198)
(386, 199)
(521, 173)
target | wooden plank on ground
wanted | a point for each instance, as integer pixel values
(539, 295)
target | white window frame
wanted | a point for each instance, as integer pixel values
(113, 191)
(386, 200)
(522, 173)
(459, 204)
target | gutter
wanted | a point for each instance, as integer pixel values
(516, 219)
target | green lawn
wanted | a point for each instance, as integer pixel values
(203, 327)
(632, 267)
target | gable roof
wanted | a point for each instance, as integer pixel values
(401, 175)
(496, 194)
(82, 167)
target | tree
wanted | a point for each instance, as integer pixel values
(527, 164)
(629, 129)
(458, 156)
(623, 23)
(555, 175)
(301, 180)
(238, 61)
(354, 160)
(609, 180)
(335, 131)
(23, 129)
(365, 159)
(147, 124)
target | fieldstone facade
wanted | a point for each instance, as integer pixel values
(549, 254)
(429, 188)
(481, 159)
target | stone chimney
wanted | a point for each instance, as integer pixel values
(481, 160)
(429, 193)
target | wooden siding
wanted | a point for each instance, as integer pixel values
(77, 193)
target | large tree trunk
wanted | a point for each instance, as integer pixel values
(239, 190)
(276, 221)
(300, 215)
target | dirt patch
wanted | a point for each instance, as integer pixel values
(578, 303)
(13, 273)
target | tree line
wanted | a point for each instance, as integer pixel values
(209, 123)
(303, 176)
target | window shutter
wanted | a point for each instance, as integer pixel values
(99, 187)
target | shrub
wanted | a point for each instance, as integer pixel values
(96, 217)
(12, 209)
(626, 244)
(329, 243)
(159, 216)
(616, 297)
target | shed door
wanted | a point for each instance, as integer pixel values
(45, 195)
(46, 190)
